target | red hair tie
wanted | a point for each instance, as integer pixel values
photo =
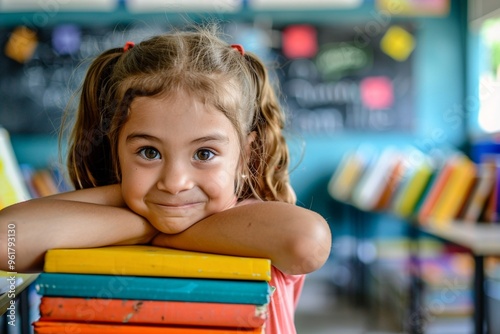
(239, 48)
(128, 45)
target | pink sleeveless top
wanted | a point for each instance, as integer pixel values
(283, 302)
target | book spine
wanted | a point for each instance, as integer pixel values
(142, 260)
(454, 194)
(435, 190)
(152, 312)
(414, 191)
(51, 327)
(165, 288)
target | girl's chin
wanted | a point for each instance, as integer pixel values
(173, 227)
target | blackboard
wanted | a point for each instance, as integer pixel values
(346, 83)
(35, 93)
(333, 78)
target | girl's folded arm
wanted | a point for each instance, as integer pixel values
(69, 220)
(296, 240)
(105, 195)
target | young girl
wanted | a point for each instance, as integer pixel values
(178, 142)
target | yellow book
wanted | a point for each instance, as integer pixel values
(348, 173)
(145, 260)
(412, 191)
(12, 189)
(345, 177)
(455, 192)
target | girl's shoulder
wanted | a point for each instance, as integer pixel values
(247, 201)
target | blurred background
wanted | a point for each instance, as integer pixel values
(363, 76)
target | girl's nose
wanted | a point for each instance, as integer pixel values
(175, 178)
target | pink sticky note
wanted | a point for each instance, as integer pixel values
(299, 41)
(377, 92)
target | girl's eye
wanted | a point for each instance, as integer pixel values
(149, 153)
(203, 155)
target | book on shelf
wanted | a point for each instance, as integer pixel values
(455, 192)
(116, 311)
(146, 260)
(481, 192)
(13, 189)
(27, 172)
(439, 182)
(347, 174)
(153, 288)
(491, 211)
(391, 186)
(380, 177)
(413, 187)
(51, 327)
(44, 183)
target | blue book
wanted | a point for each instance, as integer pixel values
(153, 288)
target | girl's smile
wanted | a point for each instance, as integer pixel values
(178, 160)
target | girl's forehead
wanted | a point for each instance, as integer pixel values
(176, 112)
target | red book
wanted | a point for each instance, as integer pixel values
(436, 189)
(50, 327)
(152, 312)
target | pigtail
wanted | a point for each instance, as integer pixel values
(89, 162)
(269, 156)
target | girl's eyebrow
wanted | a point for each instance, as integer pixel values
(137, 135)
(218, 137)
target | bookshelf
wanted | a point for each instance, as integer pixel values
(479, 238)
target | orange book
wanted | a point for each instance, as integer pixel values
(51, 327)
(456, 191)
(436, 189)
(152, 312)
(44, 183)
(393, 181)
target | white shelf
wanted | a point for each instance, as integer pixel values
(480, 238)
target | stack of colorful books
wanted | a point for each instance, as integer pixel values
(148, 289)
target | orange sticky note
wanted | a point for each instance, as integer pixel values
(21, 44)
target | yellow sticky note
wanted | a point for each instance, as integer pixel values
(397, 43)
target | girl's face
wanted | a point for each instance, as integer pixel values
(178, 160)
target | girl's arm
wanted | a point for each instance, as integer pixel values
(296, 240)
(84, 218)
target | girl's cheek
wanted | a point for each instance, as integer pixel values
(218, 184)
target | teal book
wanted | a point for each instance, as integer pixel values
(153, 288)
